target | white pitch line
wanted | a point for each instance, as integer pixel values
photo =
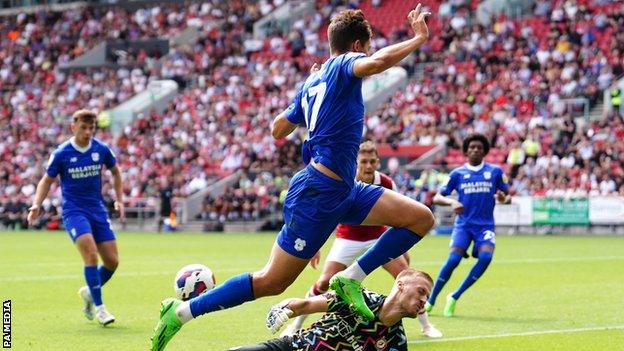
(507, 335)
(74, 263)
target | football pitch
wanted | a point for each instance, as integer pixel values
(540, 293)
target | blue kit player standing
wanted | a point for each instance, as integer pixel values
(79, 163)
(477, 184)
(325, 193)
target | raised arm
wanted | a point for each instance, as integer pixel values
(393, 54)
(282, 127)
(42, 192)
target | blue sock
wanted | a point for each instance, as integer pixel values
(444, 275)
(105, 274)
(233, 292)
(485, 257)
(391, 244)
(93, 282)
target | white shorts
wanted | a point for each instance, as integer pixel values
(345, 251)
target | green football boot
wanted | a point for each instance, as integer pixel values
(350, 290)
(428, 307)
(449, 309)
(168, 325)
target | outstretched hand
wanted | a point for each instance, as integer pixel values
(417, 21)
(278, 315)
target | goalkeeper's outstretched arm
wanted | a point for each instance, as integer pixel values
(287, 309)
(308, 305)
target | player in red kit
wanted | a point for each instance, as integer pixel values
(352, 240)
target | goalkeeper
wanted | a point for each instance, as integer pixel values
(342, 329)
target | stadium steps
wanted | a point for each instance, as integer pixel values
(597, 112)
(192, 205)
(243, 226)
(419, 72)
(193, 226)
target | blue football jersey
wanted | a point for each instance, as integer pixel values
(330, 103)
(81, 174)
(477, 188)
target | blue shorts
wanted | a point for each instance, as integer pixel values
(83, 222)
(316, 204)
(480, 235)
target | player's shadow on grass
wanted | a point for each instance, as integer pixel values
(510, 320)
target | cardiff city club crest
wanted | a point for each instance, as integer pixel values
(95, 156)
(381, 344)
(487, 175)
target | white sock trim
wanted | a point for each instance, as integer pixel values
(184, 312)
(424, 320)
(354, 271)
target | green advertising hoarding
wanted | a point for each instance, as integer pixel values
(560, 211)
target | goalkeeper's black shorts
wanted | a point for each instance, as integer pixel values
(281, 344)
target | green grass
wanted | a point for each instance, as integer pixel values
(541, 293)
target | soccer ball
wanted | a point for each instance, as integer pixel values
(192, 281)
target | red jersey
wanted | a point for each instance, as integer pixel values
(366, 232)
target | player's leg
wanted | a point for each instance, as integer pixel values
(342, 253)
(453, 260)
(88, 251)
(484, 245)
(396, 266)
(104, 238)
(110, 260)
(310, 216)
(80, 231)
(280, 271)
(278, 274)
(107, 246)
(408, 258)
(312, 209)
(93, 295)
(486, 253)
(410, 222)
(322, 284)
(460, 240)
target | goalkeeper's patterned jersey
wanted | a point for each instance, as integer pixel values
(340, 329)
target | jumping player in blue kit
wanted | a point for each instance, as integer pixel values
(325, 192)
(79, 163)
(478, 184)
